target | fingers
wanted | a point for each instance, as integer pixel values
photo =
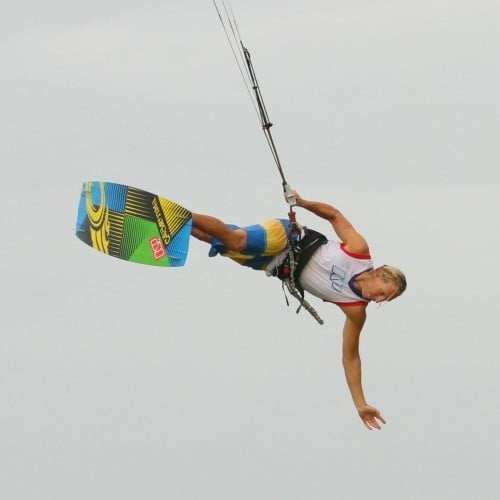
(381, 418)
(372, 421)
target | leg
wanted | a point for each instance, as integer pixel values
(200, 235)
(206, 227)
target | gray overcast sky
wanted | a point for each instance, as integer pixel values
(126, 381)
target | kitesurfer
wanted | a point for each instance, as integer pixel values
(341, 272)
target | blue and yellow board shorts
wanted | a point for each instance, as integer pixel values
(264, 241)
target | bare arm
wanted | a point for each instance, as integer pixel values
(353, 241)
(355, 319)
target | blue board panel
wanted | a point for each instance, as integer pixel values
(133, 225)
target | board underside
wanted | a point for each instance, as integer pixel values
(133, 225)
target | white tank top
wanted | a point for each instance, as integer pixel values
(330, 272)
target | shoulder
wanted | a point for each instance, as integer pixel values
(356, 246)
(358, 252)
(355, 313)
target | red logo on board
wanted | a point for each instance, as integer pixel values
(157, 247)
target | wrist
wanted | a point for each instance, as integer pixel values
(360, 404)
(301, 202)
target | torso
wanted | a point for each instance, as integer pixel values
(330, 273)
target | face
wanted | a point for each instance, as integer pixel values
(378, 290)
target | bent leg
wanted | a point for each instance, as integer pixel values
(200, 235)
(206, 227)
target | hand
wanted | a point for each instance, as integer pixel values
(371, 417)
(290, 195)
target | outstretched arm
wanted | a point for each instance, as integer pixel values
(353, 241)
(355, 319)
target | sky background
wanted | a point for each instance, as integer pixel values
(127, 381)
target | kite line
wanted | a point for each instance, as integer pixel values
(244, 62)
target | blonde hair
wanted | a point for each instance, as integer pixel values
(391, 273)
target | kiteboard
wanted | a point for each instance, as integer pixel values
(133, 225)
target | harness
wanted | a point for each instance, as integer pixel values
(300, 249)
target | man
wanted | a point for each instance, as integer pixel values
(338, 271)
